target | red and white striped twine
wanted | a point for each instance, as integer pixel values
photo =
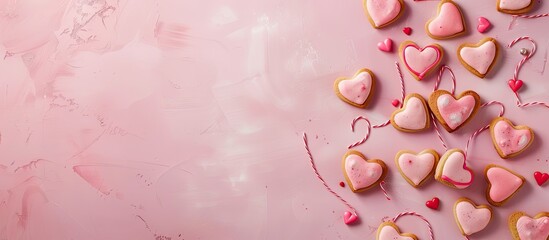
(437, 130)
(368, 130)
(441, 73)
(306, 142)
(525, 58)
(431, 234)
(532, 16)
(383, 190)
(402, 90)
(476, 133)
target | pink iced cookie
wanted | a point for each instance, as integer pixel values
(502, 184)
(383, 12)
(452, 113)
(416, 168)
(362, 174)
(510, 140)
(357, 90)
(448, 23)
(524, 227)
(420, 61)
(413, 116)
(515, 6)
(390, 231)
(471, 218)
(479, 58)
(452, 170)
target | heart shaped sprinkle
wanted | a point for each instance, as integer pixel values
(349, 218)
(357, 90)
(381, 13)
(515, 85)
(479, 58)
(420, 61)
(541, 178)
(471, 218)
(386, 45)
(413, 116)
(448, 23)
(433, 203)
(416, 168)
(502, 184)
(510, 140)
(483, 25)
(407, 31)
(395, 103)
(452, 170)
(390, 231)
(524, 227)
(362, 174)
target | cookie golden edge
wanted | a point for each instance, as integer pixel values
(434, 107)
(518, 11)
(489, 185)
(513, 219)
(442, 2)
(426, 107)
(372, 89)
(401, 56)
(380, 162)
(440, 167)
(475, 45)
(431, 173)
(481, 206)
(394, 226)
(517, 127)
(365, 6)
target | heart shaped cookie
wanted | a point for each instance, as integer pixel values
(515, 6)
(503, 184)
(413, 116)
(471, 218)
(479, 58)
(383, 12)
(452, 170)
(453, 113)
(524, 227)
(420, 61)
(416, 168)
(510, 140)
(356, 90)
(390, 231)
(448, 22)
(362, 174)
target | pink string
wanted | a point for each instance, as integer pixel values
(384, 191)
(476, 133)
(402, 90)
(518, 68)
(306, 142)
(441, 73)
(532, 16)
(368, 130)
(431, 234)
(437, 130)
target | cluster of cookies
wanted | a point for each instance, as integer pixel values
(452, 112)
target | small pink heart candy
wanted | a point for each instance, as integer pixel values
(395, 102)
(349, 218)
(483, 24)
(386, 45)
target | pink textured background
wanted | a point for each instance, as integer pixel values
(177, 119)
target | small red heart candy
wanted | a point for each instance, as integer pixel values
(515, 85)
(349, 218)
(541, 178)
(341, 184)
(433, 203)
(395, 103)
(407, 31)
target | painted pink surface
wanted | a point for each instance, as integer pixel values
(180, 119)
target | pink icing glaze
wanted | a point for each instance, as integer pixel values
(510, 140)
(455, 171)
(420, 61)
(514, 4)
(389, 233)
(413, 116)
(383, 11)
(471, 219)
(455, 112)
(448, 22)
(480, 58)
(533, 229)
(356, 89)
(504, 183)
(416, 167)
(362, 174)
